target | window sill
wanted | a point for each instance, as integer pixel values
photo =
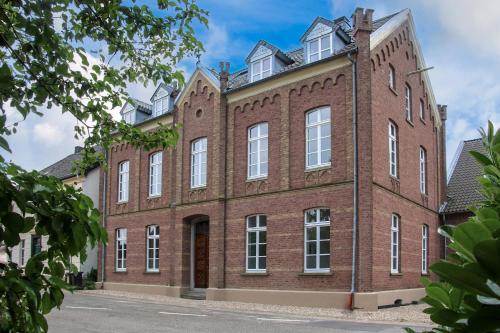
(121, 202)
(257, 273)
(410, 122)
(319, 167)
(151, 197)
(396, 179)
(396, 274)
(151, 272)
(425, 274)
(201, 187)
(315, 274)
(120, 272)
(393, 91)
(249, 180)
(422, 121)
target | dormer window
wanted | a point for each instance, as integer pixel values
(320, 48)
(160, 106)
(261, 68)
(128, 117)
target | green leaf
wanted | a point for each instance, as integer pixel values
(461, 277)
(484, 160)
(4, 144)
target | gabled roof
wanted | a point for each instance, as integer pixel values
(63, 169)
(162, 85)
(463, 184)
(139, 106)
(275, 52)
(317, 20)
(206, 73)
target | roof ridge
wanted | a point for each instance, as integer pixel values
(478, 139)
(389, 16)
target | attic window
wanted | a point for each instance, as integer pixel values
(128, 117)
(161, 106)
(319, 48)
(261, 69)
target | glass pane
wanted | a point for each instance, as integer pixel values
(253, 132)
(252, 221)
(252, 237)
(157, 263)
(313, 46)
(325, 130)
(311, 262)
(253, 170)
(312, 159)
(311, 233)
(311, 216)
(394, 264)
(266, 64)
(326, 143)
(325, 53)
(325, 42)
(262, 221)
(324, 247)
(312, 133)
(324, 261)
(311, 247)
(324, 233)
(263, 169)
(150, 263)
(256, 67)
(326, 156)
(253, 147)
(263, 237)
(251, 263)
(252, 248)
(324, 214)
(253, 158)
(262, 250)
(325, 114)
(312, 117)
(264, 129)
(262, 263)
(312, 146)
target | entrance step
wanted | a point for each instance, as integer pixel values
(198, 294)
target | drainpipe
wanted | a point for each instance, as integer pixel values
(104, 191)
(355, 216)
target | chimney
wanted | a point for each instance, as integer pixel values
(223, 75)
(78, 149)
(362, 20)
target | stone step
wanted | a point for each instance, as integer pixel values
(194, 294)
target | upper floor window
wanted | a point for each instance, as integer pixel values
(319, 48)
(22, 246)
(160, 106)
(199, 163)
(256, 243)
(257, 151)
(393, 149)
(423, 167)
(395, 243)
(422, 109)
(425, 248)
(153, 248)
(392, 78)
(155, 171)
(408, 111)
(36, 244)
(121, 249)
(123, 170)
(318, 138)
(317, 240)
(128, 117)
(261, 68)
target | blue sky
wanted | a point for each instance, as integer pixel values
(458, 37)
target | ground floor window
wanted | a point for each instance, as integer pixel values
(317, 240)
(425, 248)
(153, 248)
(395, 243)
(121, 250)
(256, 243)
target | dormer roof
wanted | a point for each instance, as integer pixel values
(161, 86)
(139, 106)
(321, 26)
(263, 49)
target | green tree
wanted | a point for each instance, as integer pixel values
(467, 298)
(77, 57)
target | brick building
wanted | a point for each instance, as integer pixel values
(277, 166)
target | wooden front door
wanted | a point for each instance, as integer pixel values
(201, 255)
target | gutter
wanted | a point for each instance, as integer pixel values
(355, 217)
(104, 191)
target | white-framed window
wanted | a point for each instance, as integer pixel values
(199, 163)
(128, 117)
(408, 111)
(395, 243)
(160, 106)
(318, 138)
(392, 77)
(22, 248)
(317, 240)
(256, 243)
(261, 68)
(319, 48)
(393, 149)
(425, 248)
(153, 249)
(123, 172)
(121, 250)
(155, 172)
(423, 170)
(258, 150)
(422, 110)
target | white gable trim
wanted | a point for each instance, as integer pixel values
(319, 30)
(260, 53)
(210, 78)
(379, 35)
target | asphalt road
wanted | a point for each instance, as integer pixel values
(88, 314)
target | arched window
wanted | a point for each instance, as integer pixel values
(317, 240)
(318, 138)
(155, 171)
(153, 248)
(258, 151)
(392, 77)
(199, 163)
(408, 110)
(123, 172)
(256, 252)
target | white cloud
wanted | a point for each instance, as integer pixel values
(48, 134)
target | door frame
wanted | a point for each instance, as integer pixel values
(194, 222)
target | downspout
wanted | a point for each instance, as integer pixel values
(355, 216)
(104, 191)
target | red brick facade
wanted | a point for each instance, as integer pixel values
(289, 188)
